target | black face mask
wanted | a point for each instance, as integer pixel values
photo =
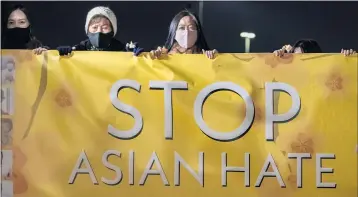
(100, 40)
(17, 38)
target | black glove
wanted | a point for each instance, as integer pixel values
(133, 47)
(64, 50)
(137, 51)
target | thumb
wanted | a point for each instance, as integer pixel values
(203, 50)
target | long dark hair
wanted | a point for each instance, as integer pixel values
(200, 42)
(33, 42)
(307, 46)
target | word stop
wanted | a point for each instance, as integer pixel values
(169, 86)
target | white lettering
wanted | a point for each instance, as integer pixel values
(320, 171)
(223, 136)
(149, 171)
(112, 167)
(299, 157)
(225, 169)
(131, 167)
(138, 125)
(269, 161)
(179, 160)
(272, 118)
(78, 170)
(168, 86)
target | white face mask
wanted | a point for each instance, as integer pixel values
(186, 38)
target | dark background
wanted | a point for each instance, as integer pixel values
(333, 24)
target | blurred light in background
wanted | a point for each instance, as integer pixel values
(248, 36)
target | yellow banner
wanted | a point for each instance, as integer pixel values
(110, 124)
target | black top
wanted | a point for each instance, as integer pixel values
(32, 44)
(86, 45)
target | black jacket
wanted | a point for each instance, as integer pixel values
(86, 45)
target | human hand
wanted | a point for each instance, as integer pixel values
(348, 52)
(283, 50)
(64, 50)
(38, 51)
(158, 53)
(210, 53)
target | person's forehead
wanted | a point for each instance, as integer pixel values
(186, 20)
(17, 14)
(298, 49)
(101, 20)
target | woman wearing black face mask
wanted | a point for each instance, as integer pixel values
(100, 27)
(17, 34)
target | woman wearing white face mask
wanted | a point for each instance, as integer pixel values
(185, 37)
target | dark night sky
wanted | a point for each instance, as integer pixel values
(333, 24)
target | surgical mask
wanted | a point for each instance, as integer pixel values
(100, 40)
(17, 38)
(186, 38)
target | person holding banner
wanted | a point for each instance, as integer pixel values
(101, 29)
(307, 46)
(185, 37)
(18, 33)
